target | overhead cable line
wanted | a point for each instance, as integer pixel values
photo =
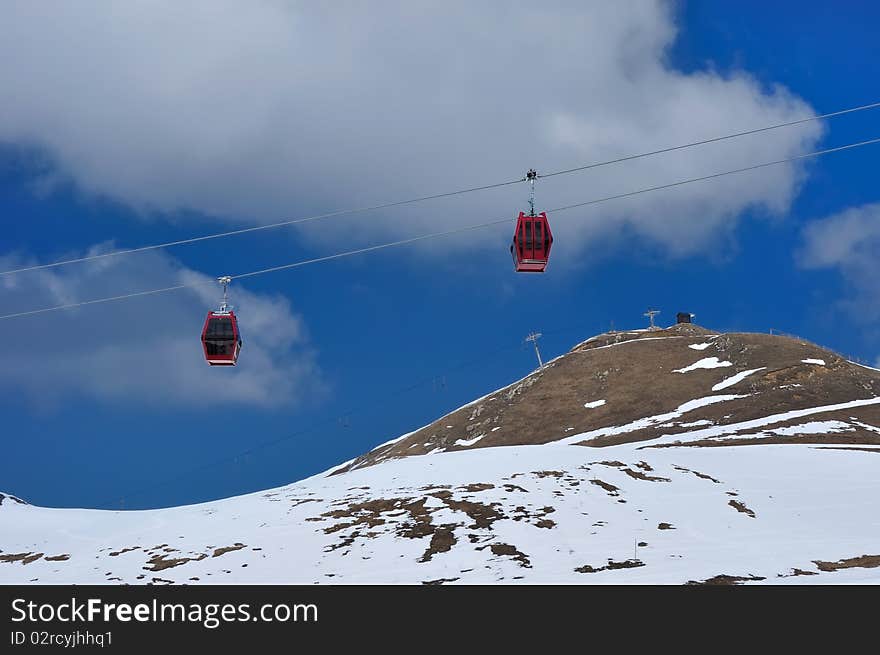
(333, 418)
(311, 429)
(434, 235)
(399, 203)
(758, 130)
(256, 228)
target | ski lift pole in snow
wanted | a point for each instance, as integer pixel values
(533, 337)
(638, 542)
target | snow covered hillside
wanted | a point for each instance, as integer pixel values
(761, 469)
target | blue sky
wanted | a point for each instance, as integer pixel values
(126, 128)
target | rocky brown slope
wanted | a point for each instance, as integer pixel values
(644, 375)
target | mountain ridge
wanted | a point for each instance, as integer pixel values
(599, 472)
(554, 402)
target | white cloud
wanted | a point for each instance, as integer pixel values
(147, 349)
(267, 110)
(849, 241)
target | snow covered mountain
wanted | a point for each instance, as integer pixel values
(666, 456)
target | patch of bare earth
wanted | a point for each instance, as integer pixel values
(482, 515)
(506, 550)
(442, 541)
(697, 473)
(117, 553)
(160, 581)
(24, 558)
(612, 565)
(162, 562)
(726, 580)
(740, 507)
(439, 581)
(796, 572)
(638, 475)
(548, 474)
(536, 516)
(610, 488)
(479, 486)
(862, 562)
(228, 549)
(418, 522)
(369, 514)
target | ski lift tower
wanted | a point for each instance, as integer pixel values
(533, 337)
(651, 313)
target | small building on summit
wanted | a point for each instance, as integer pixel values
(684, 317)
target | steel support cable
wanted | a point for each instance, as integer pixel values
(399, 203)
(327, 421)
(482, 358)
(460, 230)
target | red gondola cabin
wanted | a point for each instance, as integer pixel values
(531, 243)
(221, 339)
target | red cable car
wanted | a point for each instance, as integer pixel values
(221, 339)
(532, 238)
(531, 243)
